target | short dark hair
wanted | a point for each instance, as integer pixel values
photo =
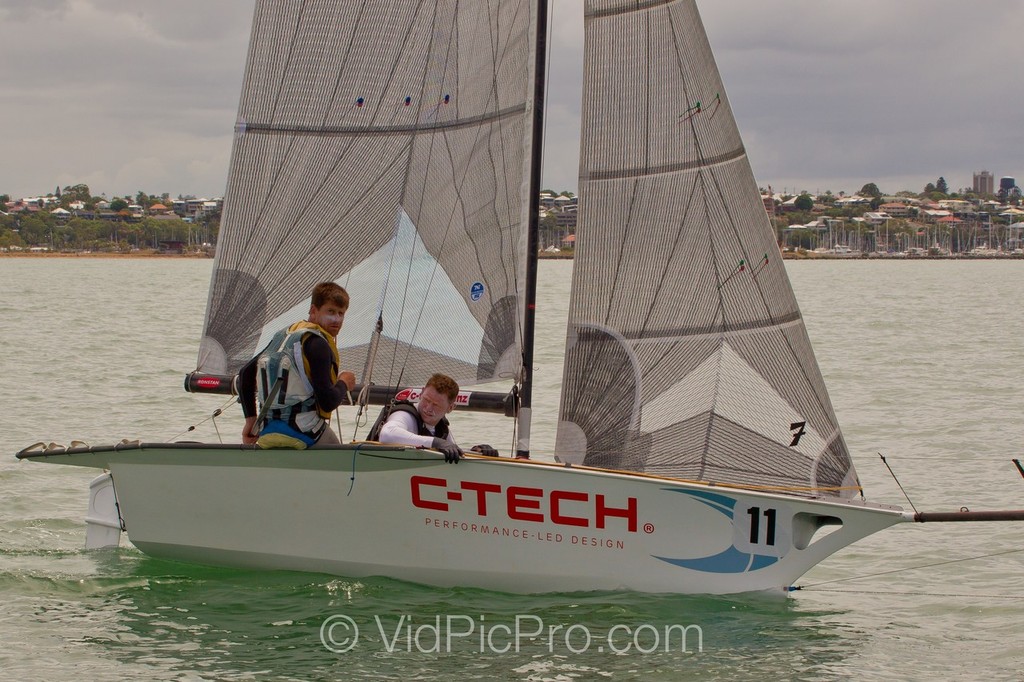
(445, 385)
(329, 291)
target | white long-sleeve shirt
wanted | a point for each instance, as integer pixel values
(401, 429)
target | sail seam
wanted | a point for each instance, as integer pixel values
(706, 162)
(730, 331)
(638, 6)
(320, 131)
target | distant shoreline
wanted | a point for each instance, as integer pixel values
(542, 256)
(99, 254)
(959, 256)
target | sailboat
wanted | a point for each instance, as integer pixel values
(394, 147)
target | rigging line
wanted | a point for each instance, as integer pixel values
(216, 413)
(1019, 467)
(352, 479)
(897, 482)
(364, 392)
(972, 460)
(915, 594)
(376, 334)
(913, 568)
(337, 415)
(213, 420)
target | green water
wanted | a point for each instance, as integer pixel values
(117, 613)
(923, 364)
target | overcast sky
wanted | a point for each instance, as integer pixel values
(129, 95)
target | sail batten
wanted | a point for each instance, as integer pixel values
(686, 353)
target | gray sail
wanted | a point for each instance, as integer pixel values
(380, 144)
(686, 354)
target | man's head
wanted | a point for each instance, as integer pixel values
(437, 399)
(328, 307)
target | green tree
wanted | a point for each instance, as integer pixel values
(804, 202)
(118, 205)
(86, 234)
(36, 229)
(870, 190)
(549, 230)
(79, 192)
(10, 238)
(941, 186)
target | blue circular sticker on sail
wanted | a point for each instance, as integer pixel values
(476, 292)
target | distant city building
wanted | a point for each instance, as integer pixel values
(1009, 191)
(895, 209)
(878, 217)
(984, 183)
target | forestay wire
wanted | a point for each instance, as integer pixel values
(816, 586)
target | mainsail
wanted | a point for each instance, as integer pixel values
(380, 144)
(686, 354)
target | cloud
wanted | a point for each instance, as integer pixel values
(827, 95)
(21, 11)
(122, 95)
(835, 95)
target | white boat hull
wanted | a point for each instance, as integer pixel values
(514, 526)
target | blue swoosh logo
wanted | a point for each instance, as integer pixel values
(731, 560)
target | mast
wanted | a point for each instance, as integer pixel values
(533, 231)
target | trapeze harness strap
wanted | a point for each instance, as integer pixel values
(440, 431)
(285, 391)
